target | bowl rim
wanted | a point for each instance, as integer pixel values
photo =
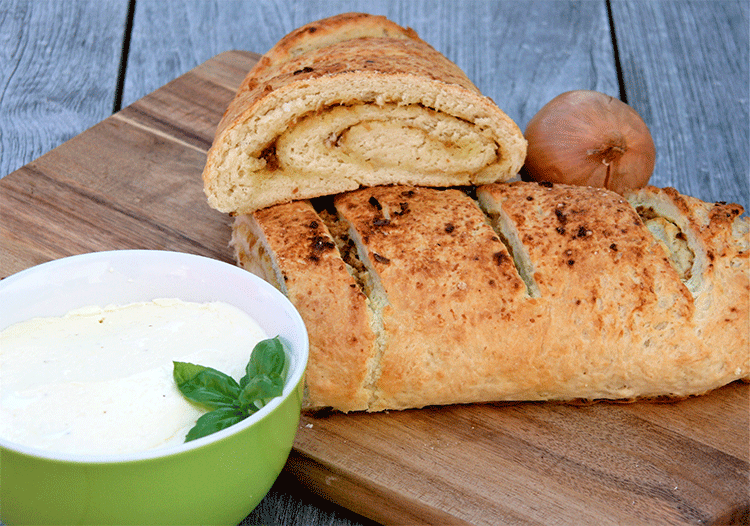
(293, 379)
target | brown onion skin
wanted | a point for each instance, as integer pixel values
(587, 138)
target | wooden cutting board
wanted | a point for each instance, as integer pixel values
(133, 181)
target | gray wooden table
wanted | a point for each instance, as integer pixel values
(683, 65)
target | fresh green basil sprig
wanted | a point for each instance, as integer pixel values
(227, 400)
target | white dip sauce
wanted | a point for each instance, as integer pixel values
(99, 380)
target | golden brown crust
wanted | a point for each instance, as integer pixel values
(324, 47)
(451, 290)
(260, 158)
(532, 292)
(372, 55)
(610, 291)
(338, 28)
(717, 236)
(334, 309)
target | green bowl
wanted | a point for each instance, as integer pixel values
(218, 479)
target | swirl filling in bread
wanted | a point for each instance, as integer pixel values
(351, 101)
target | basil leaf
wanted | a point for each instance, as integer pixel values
(214, 421)
(268, 357)
(184, 371)
(259, 391)
(205, 385)
(231, 402)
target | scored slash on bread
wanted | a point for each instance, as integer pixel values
(710, 245)
(290, 247)
(355, 100)
(421, 296)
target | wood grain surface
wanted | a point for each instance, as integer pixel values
(685, 69)
(59, 65)
(530, 463)
(133, 181)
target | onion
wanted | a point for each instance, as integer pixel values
(588, 138)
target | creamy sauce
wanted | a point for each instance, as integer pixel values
(99, 380)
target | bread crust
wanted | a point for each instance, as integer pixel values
(718, 238)
(308, 268)
(350, 61)
(602, 313)
(619, 318)
(451, 290)
(328, 31)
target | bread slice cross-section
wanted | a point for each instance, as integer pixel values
(355, 100)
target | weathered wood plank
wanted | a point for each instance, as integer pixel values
(190, 32)
(540, 464)
(686, 71)
(163, 134)
(521, 54)
(59, 64)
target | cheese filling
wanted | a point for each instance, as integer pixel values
(99, 380)
(430, 142)
(669, 235)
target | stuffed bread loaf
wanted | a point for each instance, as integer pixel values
(321, 112)
(422, 296)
